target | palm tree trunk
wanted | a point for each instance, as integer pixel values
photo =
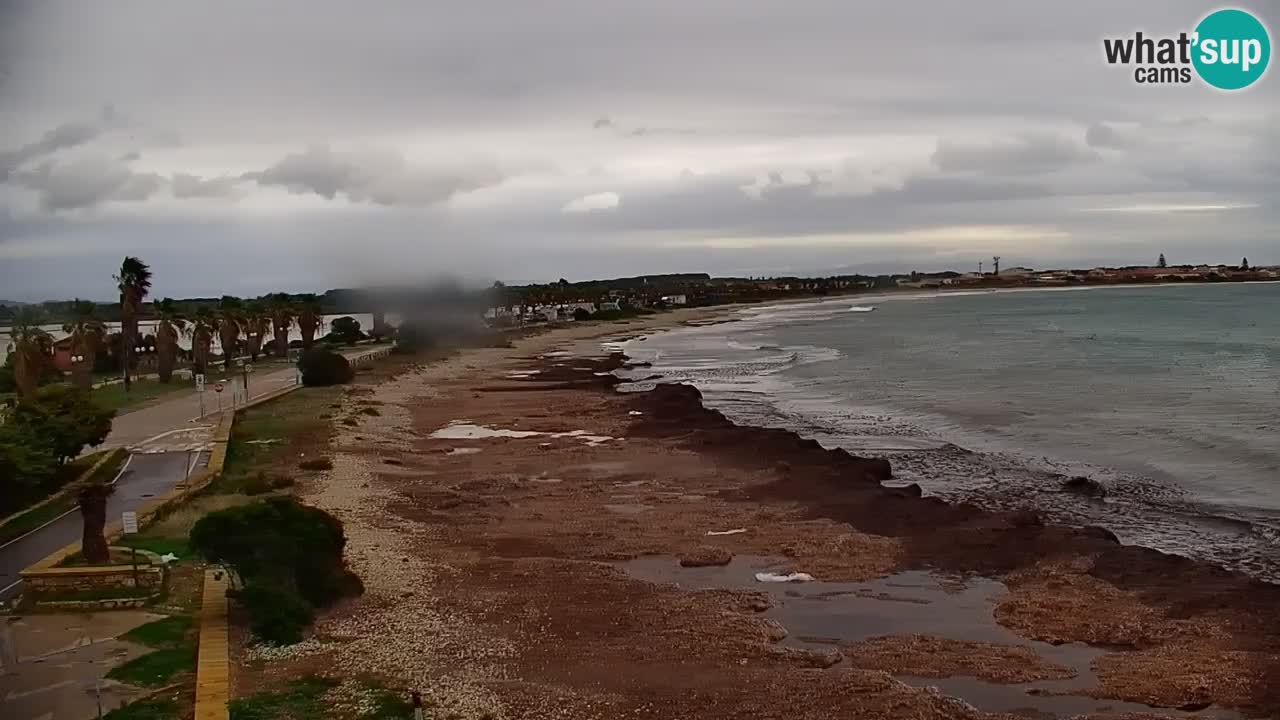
(128, 331)
(280, 334)
(93, 510)
(228, 347)
(307, 326)
(167, 347)
(26, 374)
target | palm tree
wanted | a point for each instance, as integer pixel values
(30, 348)
(282, 311)
(134, 282)
(87, 333)
(92, 499)
(230, 317)
(257, 321)
(170, 325)
(203, 322)
(308, 318)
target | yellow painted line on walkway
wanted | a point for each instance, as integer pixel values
(213, 664)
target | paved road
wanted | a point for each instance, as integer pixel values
(163, 438)
(145, 477)
(183, 409)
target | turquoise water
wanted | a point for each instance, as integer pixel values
(1169, 395)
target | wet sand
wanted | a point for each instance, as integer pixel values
(520, 528)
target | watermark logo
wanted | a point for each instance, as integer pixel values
(1229, 50)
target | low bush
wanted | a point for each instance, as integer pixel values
(277, 615)
(288, 556)
(320, 367)
(320, 463)
(581, 314)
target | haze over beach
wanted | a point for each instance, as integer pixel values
(586, 360)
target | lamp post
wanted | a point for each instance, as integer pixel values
(80, 372)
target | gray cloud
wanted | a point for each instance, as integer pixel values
(191, 186)
(381, 178)
(1102, 135)
(64, 136)
(87, 182)
(488, 118)
(1027, 154)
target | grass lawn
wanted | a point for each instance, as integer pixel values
(155, 668)
(303, 699)
(114, 396)
(161, 708)
(158, 544)
(269, 440)
(176, 652)
(170, 632)
(34, 518)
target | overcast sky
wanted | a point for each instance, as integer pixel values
(245, 147)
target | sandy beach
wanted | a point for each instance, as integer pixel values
(536, 544)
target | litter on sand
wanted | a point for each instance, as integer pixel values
(635, 412)
(735, 531)
(777, 578)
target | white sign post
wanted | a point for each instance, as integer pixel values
(129, 520)
(200, 392)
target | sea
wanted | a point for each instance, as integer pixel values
(1168, 396)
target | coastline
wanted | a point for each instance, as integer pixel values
(515, 548)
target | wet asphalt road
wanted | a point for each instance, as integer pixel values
(145, 477)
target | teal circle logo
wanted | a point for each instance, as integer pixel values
(1232, 49)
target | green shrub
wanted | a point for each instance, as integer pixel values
(278, 547)
(320, 367)
(581, 314)
(276, 615)
(63, 418)
(256, 484)
(345, 330)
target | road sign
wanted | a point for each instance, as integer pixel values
(200, 382)
(217, 387)
(130, 522)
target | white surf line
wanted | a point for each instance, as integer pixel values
(74, 509)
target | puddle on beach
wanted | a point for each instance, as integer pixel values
(818, 614)
(463, 430)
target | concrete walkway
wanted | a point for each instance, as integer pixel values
(53, 667)
(213, 664)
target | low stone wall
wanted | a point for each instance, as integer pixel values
(51, 581)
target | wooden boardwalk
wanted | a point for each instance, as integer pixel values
(213, 664)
